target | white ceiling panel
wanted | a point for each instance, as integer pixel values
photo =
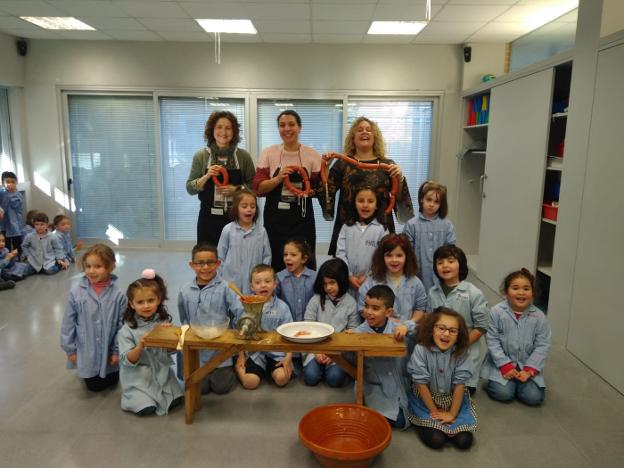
(85, 35)
(388, 12)
(29, 8)
(340, 27)
(277, 11)
(383, 39)
(451, 28)
(225, 38)
(113, 23)
(214, 10)
(439, 39)
(283, 27)
(324, 11)
(171, 24)
(184, 36)
(504, 28)
(492, 38)
(286, 38)
(88, 8)
(33, 34)
(127, 35)
(470, 12)
(143, 9)
(482, 2)
(11, 22)
(338, 38)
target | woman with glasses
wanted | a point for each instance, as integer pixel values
(220, 158)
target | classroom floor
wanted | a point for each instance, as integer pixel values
(47, 418)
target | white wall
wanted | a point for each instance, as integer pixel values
(55, 65)
(12, 65)
(612, 17)
(486, 58)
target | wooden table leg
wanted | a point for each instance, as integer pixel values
(344, 364)
(360, 377)
(191, 362)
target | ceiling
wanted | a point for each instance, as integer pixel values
(285, 21)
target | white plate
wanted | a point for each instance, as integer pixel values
(316, 331)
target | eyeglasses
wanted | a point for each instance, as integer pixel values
(442, 329)
(202, 263)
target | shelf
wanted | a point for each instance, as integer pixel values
(469, 127)
(560, 115)
(545, 268)
(549, 221)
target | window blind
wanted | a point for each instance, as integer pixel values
(114, 166)
(182, 123)
(6, 156)
(321, 129)
(406, 126)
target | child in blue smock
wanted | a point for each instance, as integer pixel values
(148, 383)
(10, 268)
(295, 283)
(93, 317)
(430, 229)
(394, 264)
(385, 382)
(208, 297)
(62, 230)
(42, 249)
(518, 341)
(332, 305)
(243, 243)
(454, 292)
(359, 236)
(439, 367)
(274, 365)
(12, 202)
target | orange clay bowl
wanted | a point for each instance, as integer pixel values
(251, 299)
(344, 435)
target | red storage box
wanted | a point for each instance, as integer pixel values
(550, 211)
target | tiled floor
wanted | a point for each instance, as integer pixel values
(47, 418)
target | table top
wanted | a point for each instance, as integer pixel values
(373, 344)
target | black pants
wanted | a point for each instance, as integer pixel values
(97, 383)
(13, 243)
(436, 439)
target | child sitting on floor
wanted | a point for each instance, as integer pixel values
(43, 250)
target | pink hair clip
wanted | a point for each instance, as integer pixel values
(148, 273)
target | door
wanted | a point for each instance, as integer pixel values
(514, 176)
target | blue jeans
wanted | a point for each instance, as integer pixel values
(527, 392)
(50, 271)
(334, 375)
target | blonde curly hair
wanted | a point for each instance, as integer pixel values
(379, 147)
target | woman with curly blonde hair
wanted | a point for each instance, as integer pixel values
(364, 142)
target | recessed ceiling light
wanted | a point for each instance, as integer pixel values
(58, 22)
(233, 26)
(397, 27)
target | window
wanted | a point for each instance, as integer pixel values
(406, 126)
(321, 129)
(114, 167)
(182, 123)
(6, 153)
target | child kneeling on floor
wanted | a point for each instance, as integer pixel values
(148, 383)
(440, 405)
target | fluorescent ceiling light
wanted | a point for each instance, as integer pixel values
(58, 22)
(397, 27)
(233, 26)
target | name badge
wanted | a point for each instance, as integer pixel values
(216, 211)
(283, 206)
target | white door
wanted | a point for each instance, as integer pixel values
(514, 176)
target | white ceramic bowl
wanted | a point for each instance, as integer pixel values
(305, 332)
(210, 329)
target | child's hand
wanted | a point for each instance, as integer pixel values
(113, 360)
(11, 254)
(286, 363)
(354, 282)
(213, 170)
(523, 376)
(79, 245)
(72, 358)
(400, 332)
(166, 324)
(349, 331)
(63, 264)
(512, 374)
(445, 417)
(322, 359)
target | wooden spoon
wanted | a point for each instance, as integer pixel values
(234, 288)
